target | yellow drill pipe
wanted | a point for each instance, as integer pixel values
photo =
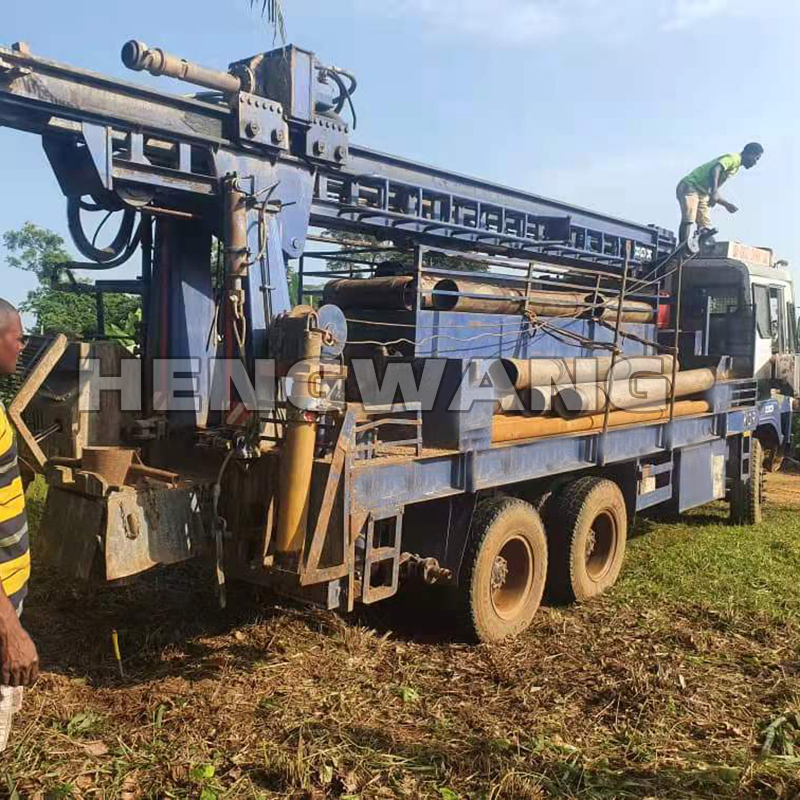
(513, 429)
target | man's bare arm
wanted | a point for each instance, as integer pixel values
(19, 661)
(716, 197)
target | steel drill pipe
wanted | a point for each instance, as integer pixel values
(396, 293)
(545, 372)
(515, 428)
(635, 311)
(591, 398)
(511, 300)
(536, 400)
(139, 57)
(496, 299)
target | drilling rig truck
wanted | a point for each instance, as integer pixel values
(355, 371)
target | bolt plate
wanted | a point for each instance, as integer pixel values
(261, 122)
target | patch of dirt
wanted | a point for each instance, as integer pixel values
(783, 488)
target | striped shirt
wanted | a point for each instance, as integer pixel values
(15, 557)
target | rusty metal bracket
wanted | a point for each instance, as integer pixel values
(381, 554)
(310, 571)
(29, 387)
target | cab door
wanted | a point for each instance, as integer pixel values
(766, 332)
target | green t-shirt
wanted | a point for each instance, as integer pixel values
(701, 179)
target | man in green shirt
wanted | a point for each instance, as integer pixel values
(698, 192)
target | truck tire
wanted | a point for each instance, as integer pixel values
(504, 570)
(746, 496)
(773, 461)
(586, 539)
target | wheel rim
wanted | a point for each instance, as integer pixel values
(601, 545)
(512, 577)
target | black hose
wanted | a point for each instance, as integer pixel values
(117, 262)
(110, 255)
(345, 92)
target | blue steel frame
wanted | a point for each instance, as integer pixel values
(391, 483)
(105, 136)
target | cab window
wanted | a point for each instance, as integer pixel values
(763, 319)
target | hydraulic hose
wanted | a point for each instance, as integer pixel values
(114, 254)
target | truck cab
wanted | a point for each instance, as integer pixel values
(738, 301)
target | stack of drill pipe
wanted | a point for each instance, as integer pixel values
(399, 292)
(536, 380)
(630, 393)
(511, 429)
(511, 300)
(545, 372)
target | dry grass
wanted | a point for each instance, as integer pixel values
(684, 681)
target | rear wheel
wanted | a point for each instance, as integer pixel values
(587, 533)
(747, 495)
(773, 461)
(504, 571)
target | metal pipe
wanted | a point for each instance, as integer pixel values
(546, 372)
(632, 310)
(297, 457)
(469, 295)
(395, 293)
(542, 303)
(536, 400)
(515, 428)
(591, 398)
(493, 299)
(139, 57)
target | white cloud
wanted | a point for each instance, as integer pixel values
(522, 22)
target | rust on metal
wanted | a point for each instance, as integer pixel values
(311, 572)
(146, 528)
(516, 428)
(27, 391)
(110, 463)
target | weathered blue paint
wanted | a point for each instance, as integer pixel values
(397, 482)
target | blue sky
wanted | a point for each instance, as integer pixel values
(604, 103)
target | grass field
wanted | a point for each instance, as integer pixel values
(683, 682)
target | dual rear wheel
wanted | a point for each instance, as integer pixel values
(509, 560)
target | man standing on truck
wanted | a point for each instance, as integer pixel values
(698, 192)
(19, 661)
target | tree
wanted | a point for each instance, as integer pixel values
(41, 251)
(273, 11)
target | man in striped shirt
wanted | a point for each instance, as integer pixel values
(19, 661)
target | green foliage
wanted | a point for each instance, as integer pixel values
(782, 736)
(84, 722)
(40, 251)
(36, 250)
(409, 694)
